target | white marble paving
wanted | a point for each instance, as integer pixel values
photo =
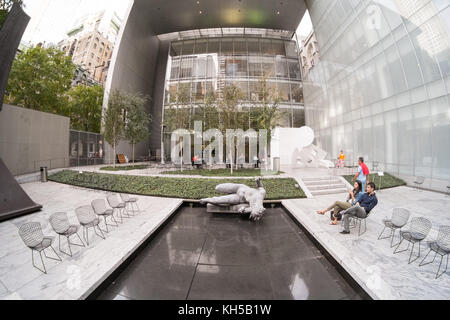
(76, 277)
(371, 262)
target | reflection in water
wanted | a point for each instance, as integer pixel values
(299, 289)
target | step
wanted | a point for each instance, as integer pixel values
(326, 187)
(330, 191)
(320, 178)
(322, 182)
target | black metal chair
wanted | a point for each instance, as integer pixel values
(442, 247)
(61, 225)
(33, 237)
(419, 229)
(88, 219)
(419, 181)
(399, 219)
(100, 209)
(132, 202)
(121, 207)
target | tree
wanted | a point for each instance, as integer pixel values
(266, 113)
(230, 117)
(5, 7)
(85, 108)
(137, 119)
(113, 120)
(39, 80)
(178, 115)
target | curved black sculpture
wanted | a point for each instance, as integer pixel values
(14, 201)
(10, 35)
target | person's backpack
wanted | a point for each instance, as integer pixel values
(365, 169)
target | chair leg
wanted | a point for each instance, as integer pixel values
(59, 246)
(438, 275)
(421, 264)
(86, 235)
(42, 261)
(101, 231)
(380, 238)
(410, 255)
(360, 225)
(401, 241)
(75, 244)
(56, 259)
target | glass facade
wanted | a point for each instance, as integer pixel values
(206, 65)
(381, 89)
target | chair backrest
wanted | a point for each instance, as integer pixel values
(400, 217)
(99, 206)
(60, 222)
(85, 214)
(420, 227)
(31, 234)
(125, 197)
(444, 237)
(113, 201)
(420, 180)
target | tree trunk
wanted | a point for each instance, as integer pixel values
(134, 145)
(231, 162)
(114, 155)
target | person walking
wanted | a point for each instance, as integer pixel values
(362, 174)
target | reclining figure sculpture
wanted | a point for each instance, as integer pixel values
(250, 200)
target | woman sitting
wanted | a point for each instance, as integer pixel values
(353, 198)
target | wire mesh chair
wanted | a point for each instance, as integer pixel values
(442, 247)
(418, 182)
(33, 237)
(419, 229)
(100, 209)
(132, 202)
(88, 219)
(61, 225)
(121, 207)
(399, 219)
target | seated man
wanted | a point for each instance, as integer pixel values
(354, 197)
(362, 208)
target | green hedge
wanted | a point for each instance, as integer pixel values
(387, 181)
(124, 168)
(184, 188)
(222, 173)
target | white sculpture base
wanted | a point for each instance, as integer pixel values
(210, 208)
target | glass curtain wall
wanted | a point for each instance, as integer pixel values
(205, 66)
(381, 89)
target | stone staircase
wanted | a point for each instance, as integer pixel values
(325, 185)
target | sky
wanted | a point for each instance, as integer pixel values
(51, 19)
(305, 27)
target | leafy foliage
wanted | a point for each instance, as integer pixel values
(125, 168)
(137, 119)
(177, 116)
(222, 173)
(387, 181)
(266, 113)
(5, 7)
(40, 79)
(85, 104)
(114, 120)
(183, 188)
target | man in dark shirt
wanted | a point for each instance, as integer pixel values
(362, 208)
